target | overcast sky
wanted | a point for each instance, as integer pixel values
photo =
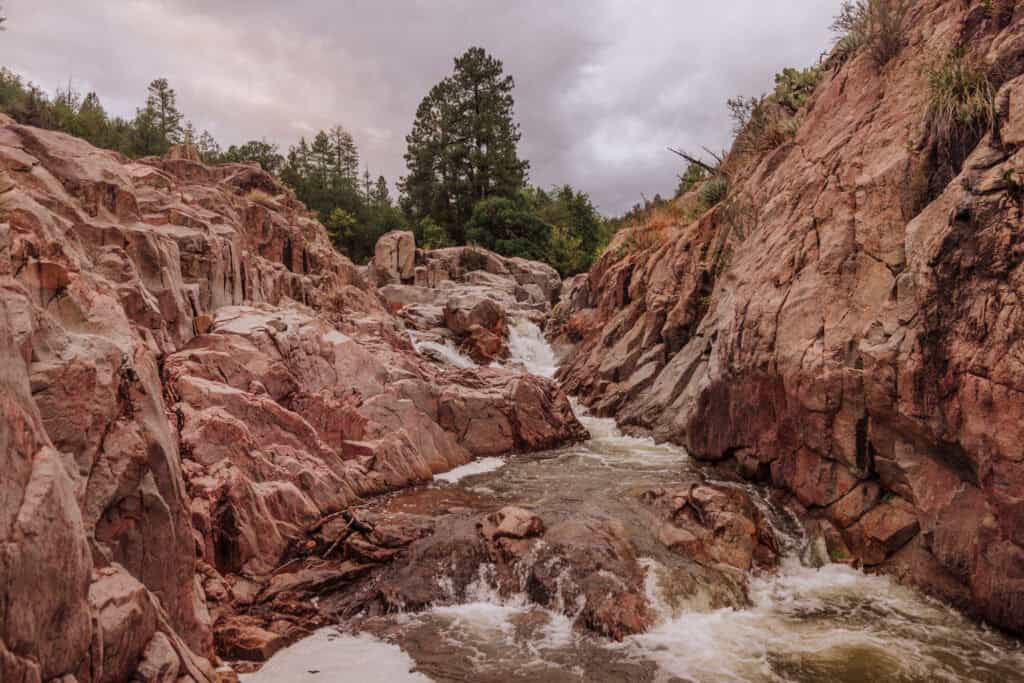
(602, 86)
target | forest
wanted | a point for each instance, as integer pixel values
(465, 181)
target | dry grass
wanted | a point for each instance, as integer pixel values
(874, 25)
(961, 111)
(261, 197)
(961, 104)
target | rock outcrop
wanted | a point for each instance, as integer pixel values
(462, 296)
(190, 377)
(822, 331)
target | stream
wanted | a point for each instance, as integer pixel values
(800, 623)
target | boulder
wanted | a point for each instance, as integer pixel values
(394, 257)
(713, 524)
(480, 324)
(511, 522)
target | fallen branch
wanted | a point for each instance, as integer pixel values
(713, 170)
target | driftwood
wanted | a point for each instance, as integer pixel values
(715, 170)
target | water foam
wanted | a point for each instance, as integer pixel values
(445, 352)
(328, 655)
(528, 348)
(806, 622)
(481, 466)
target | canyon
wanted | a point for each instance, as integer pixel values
(220, 437)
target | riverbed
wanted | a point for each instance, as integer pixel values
(799, 622)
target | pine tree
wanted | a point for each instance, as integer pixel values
(162, 103)
(346, 155)
(206, 145)
(463, 144)
(380, 194)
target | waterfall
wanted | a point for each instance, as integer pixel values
(445, 352)
(528, 348)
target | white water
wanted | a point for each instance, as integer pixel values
(481, 466)
(528, 348)
(331, 657)
(831, 624)
(446, 351)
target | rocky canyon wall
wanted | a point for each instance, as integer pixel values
(822, 331)
(190, 376)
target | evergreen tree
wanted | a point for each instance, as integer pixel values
(146, 136)
(345, 154)
(92, 122)
(463, 144)
(188, 133)
(206, 145)
(259, 151)
(564, 252)
(367, 188)
(509, 227)
(380, 194)
(162, 103)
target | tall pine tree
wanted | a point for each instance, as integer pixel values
(463, 145)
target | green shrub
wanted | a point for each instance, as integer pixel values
(508, 227)
(644, 237)
(793, 87)
(472, 259)
(874, 25)
(761, 125)
(687, 181)
(739, 216)
(430, 235)
(961, 103)
(961, 110)
(714, 191)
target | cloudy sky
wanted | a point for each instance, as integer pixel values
(602, 86)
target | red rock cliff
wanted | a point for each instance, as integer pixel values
(190, 376)
(866, 355)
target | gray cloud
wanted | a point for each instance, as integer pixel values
(602, 86)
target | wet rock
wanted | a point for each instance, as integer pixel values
(713, 524)
(159, 662)
(833, 325)
(511, 522)
(242, 637)
(851, 507)
(589, 569)
(480, 323)
(884, 530)
(192, 375)
(126, 622)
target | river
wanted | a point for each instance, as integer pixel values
(800, 623)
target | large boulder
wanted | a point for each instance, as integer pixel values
(480, 324)
(394, 257)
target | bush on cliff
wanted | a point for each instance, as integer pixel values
(874, 25)
(714, 191)
(961, 107)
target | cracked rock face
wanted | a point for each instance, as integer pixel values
(190, 377)
(837, 340)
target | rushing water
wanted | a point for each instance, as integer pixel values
(801, 624)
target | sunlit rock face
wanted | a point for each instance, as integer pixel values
(191, 376)
(827, 331)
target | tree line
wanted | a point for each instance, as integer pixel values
(465, 182)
